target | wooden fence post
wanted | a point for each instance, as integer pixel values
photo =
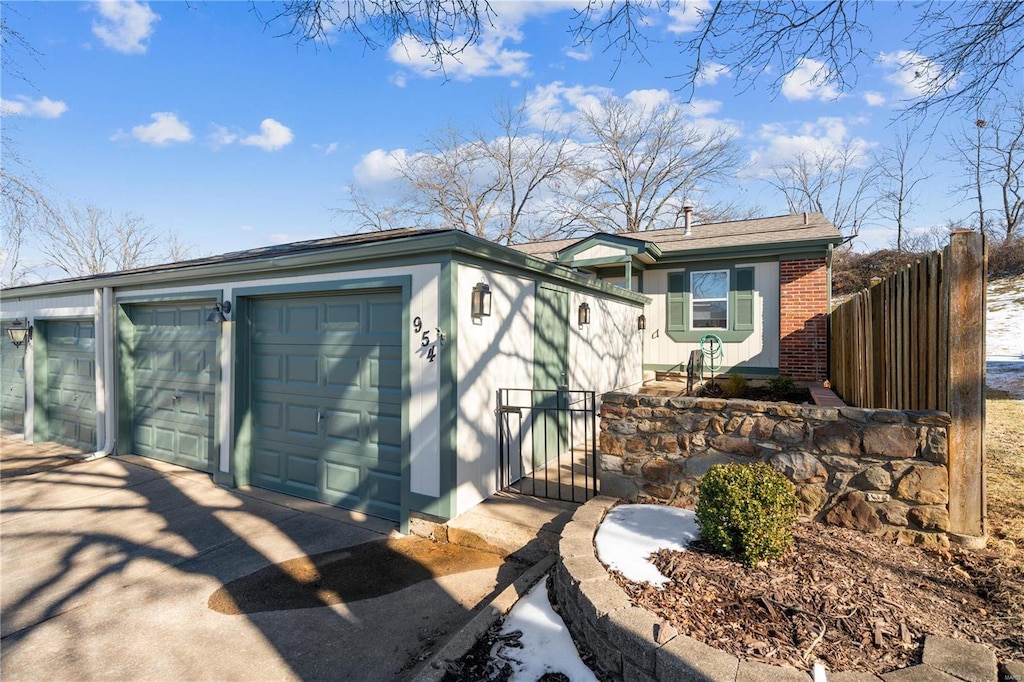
(966, 263)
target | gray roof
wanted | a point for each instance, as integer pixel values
(261, 252)
(758, 231)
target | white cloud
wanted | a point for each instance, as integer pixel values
(649, 99)
(584, 55)
(245, 228)
(700, 108)
(165, 128)
(826, 135)
(874, 99)
(808, 81)
(221, 137)
(548, 103)
(685, 15)
(331, 148)
(273, 136)
(913, 74)
(487, 57)
(125, 25)
(710, 73)
(380, 167)
(399, 80)
(44, 107)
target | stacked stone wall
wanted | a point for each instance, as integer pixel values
(878, 471)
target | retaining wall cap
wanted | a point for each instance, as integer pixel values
(965, 660)
(755, 671)
(919, 673)
(684, 658)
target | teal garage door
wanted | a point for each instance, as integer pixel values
(326, 399)
(71, 382)
(12, 386)
(174, 383)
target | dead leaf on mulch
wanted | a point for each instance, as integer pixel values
(852, 601)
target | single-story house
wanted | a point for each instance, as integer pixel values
(762, 286)
(364, 370)
(360, 370)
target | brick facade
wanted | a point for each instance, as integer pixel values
(803, 328)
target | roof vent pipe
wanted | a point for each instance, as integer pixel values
(687, 217)
(805, 217)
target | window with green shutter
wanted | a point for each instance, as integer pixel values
(718, 300)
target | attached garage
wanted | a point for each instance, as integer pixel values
(170, 374)
(326, 398)
(12, 393)
(352, 371)
(68, 398)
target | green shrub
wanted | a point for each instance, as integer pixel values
(747, 511)
(780, 386)
(735, 386)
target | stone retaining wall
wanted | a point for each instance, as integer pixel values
(878, 471)
(631, 643)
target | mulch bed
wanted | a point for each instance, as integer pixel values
(852, 601)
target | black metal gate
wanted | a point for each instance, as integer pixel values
(547, 443)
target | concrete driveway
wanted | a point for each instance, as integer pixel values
(107, 569)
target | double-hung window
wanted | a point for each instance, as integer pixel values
(709, 299)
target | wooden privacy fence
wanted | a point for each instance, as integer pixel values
(916, 341)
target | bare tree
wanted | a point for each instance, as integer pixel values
(640, 164)
(91, 240)
(23, 206)
(960, 53)
(1004, 166)
(900, 172)
(442, 29)
(495, 187)
(836, 182)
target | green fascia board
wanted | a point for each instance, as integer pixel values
(433, 247)
(779, 250)
(631, 245)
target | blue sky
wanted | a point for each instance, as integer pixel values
(204, 122)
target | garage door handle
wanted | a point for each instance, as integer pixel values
(319, 416)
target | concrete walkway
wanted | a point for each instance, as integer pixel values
(106, 569)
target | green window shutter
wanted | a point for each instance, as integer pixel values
(676, 302)
(743, 297)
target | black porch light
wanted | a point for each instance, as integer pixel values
(584, 313)
(641, 322)
(220, 312)
(19, 332)
(480, 304)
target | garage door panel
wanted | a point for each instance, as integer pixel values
(385, 318)
(12, 381)
(342, 479)
(175, 382)
(322, 365)
(70, 410)
(302, 372)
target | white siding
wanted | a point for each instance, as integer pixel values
(760, 349)
(493, 352)
(599, 251)
(607, 354)
(77, 305)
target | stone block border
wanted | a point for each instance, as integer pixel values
(629, 643)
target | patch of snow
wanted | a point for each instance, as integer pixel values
(631, 533)
(546, 645)
(1004, 336)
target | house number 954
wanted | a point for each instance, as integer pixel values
(417, 326)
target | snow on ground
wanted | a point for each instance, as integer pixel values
(546, 646)
(632, 532)
(1004, 336)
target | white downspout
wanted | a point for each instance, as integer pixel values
(107, 428)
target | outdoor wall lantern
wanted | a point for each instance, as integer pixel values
(641, 322)
(480, 305)
(19, 332)
(584, 313)
(220, 312)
